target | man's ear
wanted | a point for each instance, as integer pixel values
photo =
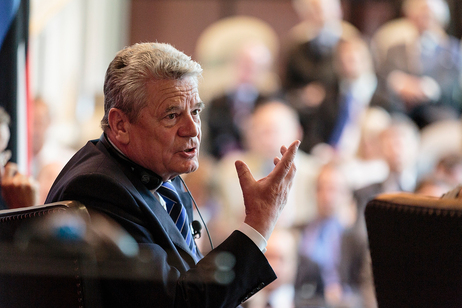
(119, 125)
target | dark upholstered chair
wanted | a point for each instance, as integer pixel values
(35, 272)
(416, 250)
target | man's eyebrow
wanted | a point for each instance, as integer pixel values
(171, 108)
(175, 107)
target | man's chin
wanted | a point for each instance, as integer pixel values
(189, 168)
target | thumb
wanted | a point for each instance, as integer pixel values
(243, 172)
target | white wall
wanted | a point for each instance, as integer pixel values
(71, 44)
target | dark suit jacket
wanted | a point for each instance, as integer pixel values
(102, 182)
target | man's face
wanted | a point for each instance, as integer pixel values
(331, 190)
(166, 136)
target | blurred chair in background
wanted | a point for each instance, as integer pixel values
(415, 251)
(56, 254)
(35, 272)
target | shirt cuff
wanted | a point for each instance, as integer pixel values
(254, 235)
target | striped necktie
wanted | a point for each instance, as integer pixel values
(177, 212)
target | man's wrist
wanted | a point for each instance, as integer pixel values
(254, 235)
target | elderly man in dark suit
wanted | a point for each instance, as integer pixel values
(132, 174)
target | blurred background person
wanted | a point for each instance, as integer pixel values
(318, 279)
(17, 189)
(337, 121)
(48, 155)
(308, 69)
(45, 150)
(281, 253)
(367, 166)
(449, 169)
(311, 43)
(399, 146)
(272, 123)
(227, 113)
(431, 186)
(445, 176)
(357, 83)
(420, 75)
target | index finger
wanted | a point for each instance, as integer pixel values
(285, 163)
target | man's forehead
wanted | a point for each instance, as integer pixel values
(186, 84)
(173, 92)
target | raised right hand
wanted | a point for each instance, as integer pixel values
(264, 199)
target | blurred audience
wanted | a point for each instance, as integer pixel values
(17, 189)
(48, 156)
(281, 292)
(312, 42)
(357, 84)
(420, 75)
(309, 76)
(319, 281)
(368, 166)
(337, 120)
(227, 114)
(358, 120)
(399, 147)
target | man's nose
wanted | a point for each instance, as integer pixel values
(189, 127)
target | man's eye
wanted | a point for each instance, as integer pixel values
(196, 112)
(171, 116)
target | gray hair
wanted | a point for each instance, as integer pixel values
(134, 67)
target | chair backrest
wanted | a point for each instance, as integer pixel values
(416, 250)
(32, 277)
